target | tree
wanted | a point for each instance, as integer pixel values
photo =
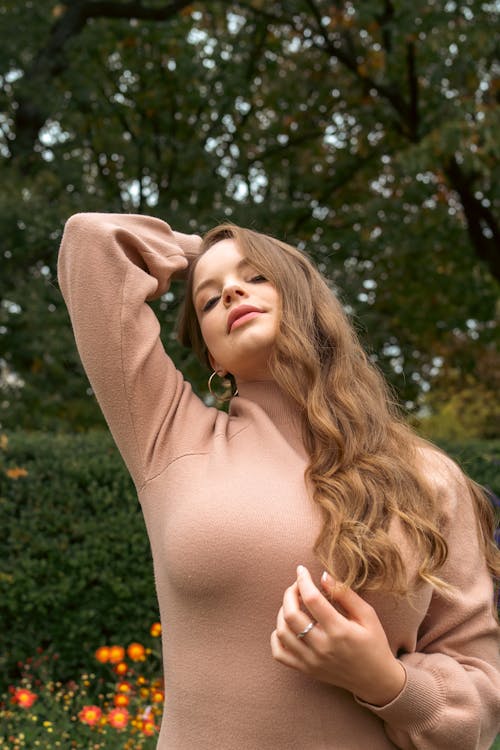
(364, 133)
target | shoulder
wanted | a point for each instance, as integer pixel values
(449, 485)
(435, 465)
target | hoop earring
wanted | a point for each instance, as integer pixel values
(221, 397)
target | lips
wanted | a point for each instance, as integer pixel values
(240, 312)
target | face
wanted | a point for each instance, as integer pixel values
(238, 311)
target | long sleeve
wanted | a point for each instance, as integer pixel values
(109, 266)
(451, 698)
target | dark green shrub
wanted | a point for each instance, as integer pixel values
(75, 568)
(75, 565)
(480, 459)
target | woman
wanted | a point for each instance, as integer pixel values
(323, 576)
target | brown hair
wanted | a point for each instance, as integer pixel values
(365, 464)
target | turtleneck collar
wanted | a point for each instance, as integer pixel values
(271, 398)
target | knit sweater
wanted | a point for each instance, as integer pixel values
(229, 518)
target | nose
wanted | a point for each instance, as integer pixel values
(231, 292)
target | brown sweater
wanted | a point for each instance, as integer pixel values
(229, 519)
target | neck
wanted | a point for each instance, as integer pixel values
(281, 409)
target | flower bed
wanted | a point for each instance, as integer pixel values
(117, 705)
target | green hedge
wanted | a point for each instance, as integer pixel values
(75, 565)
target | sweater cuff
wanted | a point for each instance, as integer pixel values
(174, 264)
(417, 706)
(189, 244)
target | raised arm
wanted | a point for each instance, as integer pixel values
(109, 266)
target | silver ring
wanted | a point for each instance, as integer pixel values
(306, 630)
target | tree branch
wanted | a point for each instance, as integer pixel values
(413, 114)
(482, 226)
(384, 20)
(342, 177)
(348, 59)
(50, 60)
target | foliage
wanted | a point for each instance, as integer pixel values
(480, 459)
(365, 133)
(464, 403)
(76, 567)
(115, 707)
(472, 412)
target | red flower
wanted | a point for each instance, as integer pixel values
(121, 668)
(148, 727)
(90, 715)
(121, 700)
(118, 718)
(24, 698)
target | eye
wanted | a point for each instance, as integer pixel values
(258, 279)
(209, 304)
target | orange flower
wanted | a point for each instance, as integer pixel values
(16, 472)
(147, 720)
(124, 687)
(118, 718)
(155, 629)
(121, 668)
(121, 700)
(24, 698)
(136, 652)
(90, 715)
(148, 727)
(116, 654)
(157, 696)
(58, 10)
(102, 654)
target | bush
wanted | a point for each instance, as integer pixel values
(76, 567)
(480, 459)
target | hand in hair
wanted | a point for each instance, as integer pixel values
(347, 647)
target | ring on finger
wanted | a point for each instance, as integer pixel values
(307, 629)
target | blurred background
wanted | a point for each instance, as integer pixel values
(365, 133)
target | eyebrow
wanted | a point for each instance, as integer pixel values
(210, 282)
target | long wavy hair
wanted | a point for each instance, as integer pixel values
(365, 465)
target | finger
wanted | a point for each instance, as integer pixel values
(314, 600)
(294, 615)
(354, 607)
(288, 637)
(283, 655)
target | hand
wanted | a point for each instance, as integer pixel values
(348, 649)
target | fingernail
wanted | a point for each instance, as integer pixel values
(300, 570)
(324, 577)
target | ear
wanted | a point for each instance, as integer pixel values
(215, 366)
